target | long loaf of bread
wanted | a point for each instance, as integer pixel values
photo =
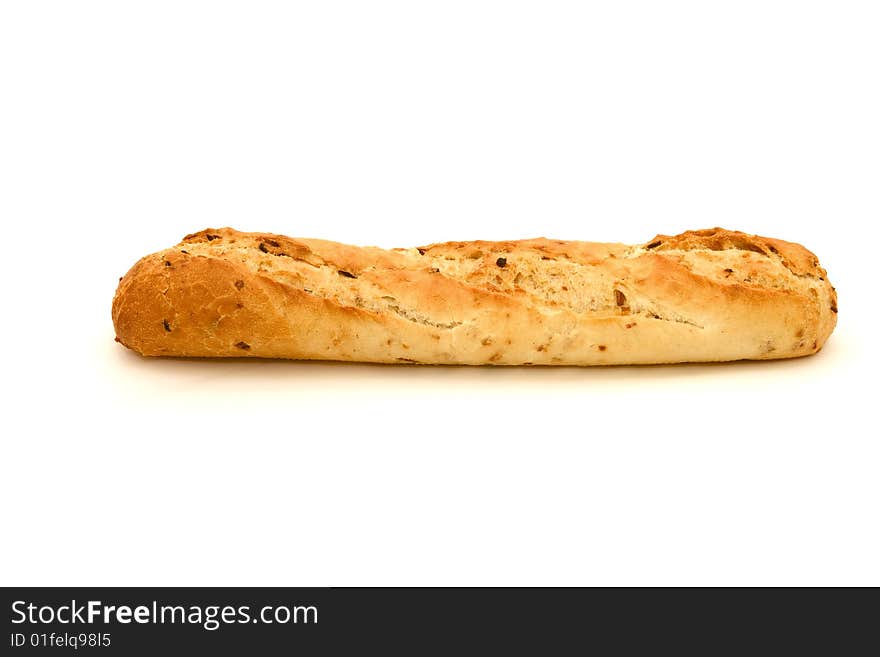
(705, 295)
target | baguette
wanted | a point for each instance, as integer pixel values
(703, 295)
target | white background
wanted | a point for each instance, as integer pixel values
(124, 126)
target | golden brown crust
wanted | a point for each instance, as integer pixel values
(795, 257)
(707, 295)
